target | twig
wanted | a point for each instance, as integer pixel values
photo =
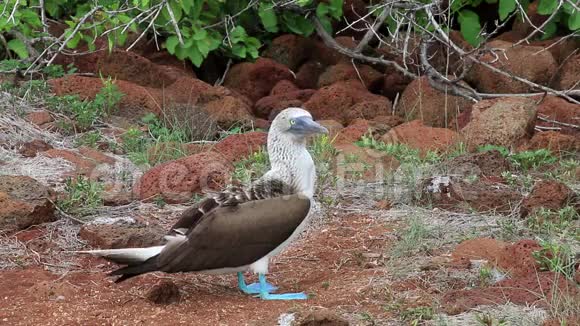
(174, 22)
(372, 31)
(330, 42)
(558, 122)
(75, 30)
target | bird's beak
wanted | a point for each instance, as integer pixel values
(306, 126)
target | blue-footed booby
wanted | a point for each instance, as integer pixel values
(240, 228)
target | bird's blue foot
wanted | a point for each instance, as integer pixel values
(283, 296)
(266, 295)
(253, 288)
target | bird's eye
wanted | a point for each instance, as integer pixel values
(292, 121)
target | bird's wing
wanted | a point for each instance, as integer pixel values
(232, 196)
(234, 236)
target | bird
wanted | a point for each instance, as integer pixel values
(240, 228)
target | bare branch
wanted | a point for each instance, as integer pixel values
(373, 29)
(330, 42)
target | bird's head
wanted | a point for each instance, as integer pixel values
(296, 123)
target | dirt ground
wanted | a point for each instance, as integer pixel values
(337, 266)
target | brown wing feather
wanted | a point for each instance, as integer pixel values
(236, 236)
(261, 189)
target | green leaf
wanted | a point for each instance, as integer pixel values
(31, 18)
(200, 35)
(203, 46)
(253, 52)
(470, 26)
(195, 57)
(239, 50)
(322, 10)
(268, 18)
(574, 21)
(52, 8)
(181, 52)
(18, 47)
(238, 34)
(176, 8)
(171, 43)
(336, 8)
(550, 30)
(74, 41)
(298, 24)
(506, 7)
(547, 7)
(188, 6)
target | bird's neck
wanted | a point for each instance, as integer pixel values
(291, 161)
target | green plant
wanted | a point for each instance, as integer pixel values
(533, 159)
(565, 16)
(401, 152)
(191, 29)
(524, 160)
(417, 315)
(81, 196)
(252, 167)
(323, 154)
(413, 237)
(556, 257)
(485, 275)
(553, 223)
(87, 113)
(89, 139)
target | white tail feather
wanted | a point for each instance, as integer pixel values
(128, 256)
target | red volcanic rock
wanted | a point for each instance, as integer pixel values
(30, 149)
(353, 132)
(256, 80)
(433, 107)
(329, 56)
(517, 259)
(177, 181)
(480, 248)
(39, 117)
(338, 100)
(555, 141)
(239, 146)
(284, 86)
(569, 74)
(459, 195)
(416, 135)
(558, 109)
(136, 102)
(114, 236)
(504, 122)
(130, 66)
(228, 111)
(371, 78)
(539, 66)
(548, 194)
(24, 202)
(290, 50)
(308, 74)
(82, 164)
(266, 105)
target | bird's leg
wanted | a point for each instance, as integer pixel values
(266, 295)
(253, 288)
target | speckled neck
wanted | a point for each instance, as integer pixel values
(291, 161)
